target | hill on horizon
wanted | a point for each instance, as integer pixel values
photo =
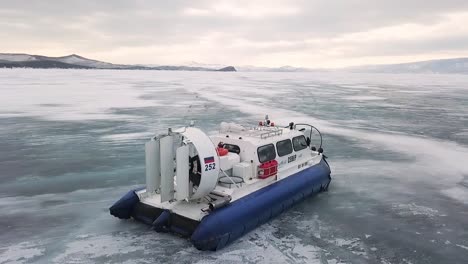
(443, 66)
(74, 61)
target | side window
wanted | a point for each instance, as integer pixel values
(266, 153)
(232, 148)
(284, 147)
(299, 143)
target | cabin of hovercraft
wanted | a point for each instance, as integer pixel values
(267, 147)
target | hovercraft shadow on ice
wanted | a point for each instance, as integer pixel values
(215, 189)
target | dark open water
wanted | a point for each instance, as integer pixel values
(71, 143)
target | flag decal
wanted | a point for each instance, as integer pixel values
(209, 160)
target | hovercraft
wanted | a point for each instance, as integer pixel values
(214, 189)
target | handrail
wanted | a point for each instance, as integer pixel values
(271, 134)
(312, 127)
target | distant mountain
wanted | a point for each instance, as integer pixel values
(40, 64)
(457, 65)
(227, 69)
(205, 65)
(16, 60)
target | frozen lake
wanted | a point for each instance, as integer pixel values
(72, 143)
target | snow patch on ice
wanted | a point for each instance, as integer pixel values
(265, 245)
(354, 245)
(457, 193)
(98, 246)
(21, 253)
(267, 248)
(311, 225)
(407, 261)
(384, 261)
(462, 246)
(413, 209)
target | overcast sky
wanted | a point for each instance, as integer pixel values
(308, 33)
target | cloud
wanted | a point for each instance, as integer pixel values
(245, 9)
(312, 33)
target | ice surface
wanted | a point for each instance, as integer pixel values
(364, 98)
(61, 96)
(72, 142)
(127, 136)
